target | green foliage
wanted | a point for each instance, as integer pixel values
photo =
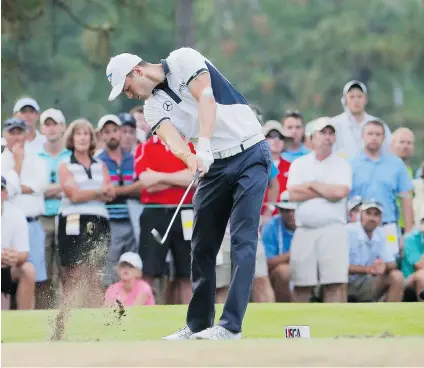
(280, 54)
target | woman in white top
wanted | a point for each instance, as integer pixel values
(84, 232)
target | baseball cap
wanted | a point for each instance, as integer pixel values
(353, 202)
(53, 114)
(127, 119)
(285, 202)
(3, 182)
(309, 128)
(26, 101)
(14, 123)
(322, 123)
(117, 70)
(273, 125)
(108, 118)
(132, 258)
(372, 203)
(354, 83)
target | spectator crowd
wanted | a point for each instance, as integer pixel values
(342, 219)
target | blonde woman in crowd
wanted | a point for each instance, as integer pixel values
(83, 233)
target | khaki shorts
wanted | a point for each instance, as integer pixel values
(223, 271)
(320, 256)
(50, 227)
(366, 288)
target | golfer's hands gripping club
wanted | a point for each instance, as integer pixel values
(203, 158)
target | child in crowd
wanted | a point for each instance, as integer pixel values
(131, 290)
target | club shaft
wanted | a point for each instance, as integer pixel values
(177, 210)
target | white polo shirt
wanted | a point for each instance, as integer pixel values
(37, 144)
(34, 174)
(320, 212)
(14, 228)
(235, 120)
(349, 140)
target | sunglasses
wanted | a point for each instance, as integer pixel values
(52, 177)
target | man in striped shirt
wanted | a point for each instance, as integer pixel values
(120, 165)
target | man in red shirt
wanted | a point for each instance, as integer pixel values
(274, 134)
(164, 179)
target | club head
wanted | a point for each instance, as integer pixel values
(157, 236)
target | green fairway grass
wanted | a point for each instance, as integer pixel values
(262, 321)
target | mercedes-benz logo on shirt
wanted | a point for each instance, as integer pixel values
(167, 105)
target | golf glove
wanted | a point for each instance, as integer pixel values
(203, 150)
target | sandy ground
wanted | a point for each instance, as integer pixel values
(249, 352)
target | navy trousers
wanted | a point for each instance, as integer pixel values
(233, 189)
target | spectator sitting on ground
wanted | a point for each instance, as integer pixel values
(413, 260)
(17, 274)
(320, 182)
(130, 290)
(372, 266)
(353, 209)
(129, 132)
(53, 126)
(418, 201)
(28, 110)
(403, 147)
(350, 123)
(293, 128)
(276, 237)
(274, 134)
(379, 174)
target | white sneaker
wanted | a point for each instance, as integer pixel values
(182, 334)
(216, 333)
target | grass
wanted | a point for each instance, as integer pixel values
(262, 321)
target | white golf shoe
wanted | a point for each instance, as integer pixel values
(216, 333)
(182, 334)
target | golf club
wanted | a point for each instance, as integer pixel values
(154, 232)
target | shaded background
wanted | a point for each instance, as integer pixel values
(281, 54)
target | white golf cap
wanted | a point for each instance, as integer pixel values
(353, 202)
(26, 101)
(285, 202)
(322, 123)
(273, 125)
(309, 128)
(132, 258)
(117, 70)
(106, 119)
(372, 203)
(354, 83)
(53, 114)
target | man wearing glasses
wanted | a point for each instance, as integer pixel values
(293, 126)
(53, 126)
(373, 275)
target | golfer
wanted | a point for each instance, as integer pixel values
(187, 98)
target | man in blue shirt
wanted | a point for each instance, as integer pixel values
(381, 175)
(276, 237)
(120, 165)
(294, 128)
(53, 126)
(372, 267)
